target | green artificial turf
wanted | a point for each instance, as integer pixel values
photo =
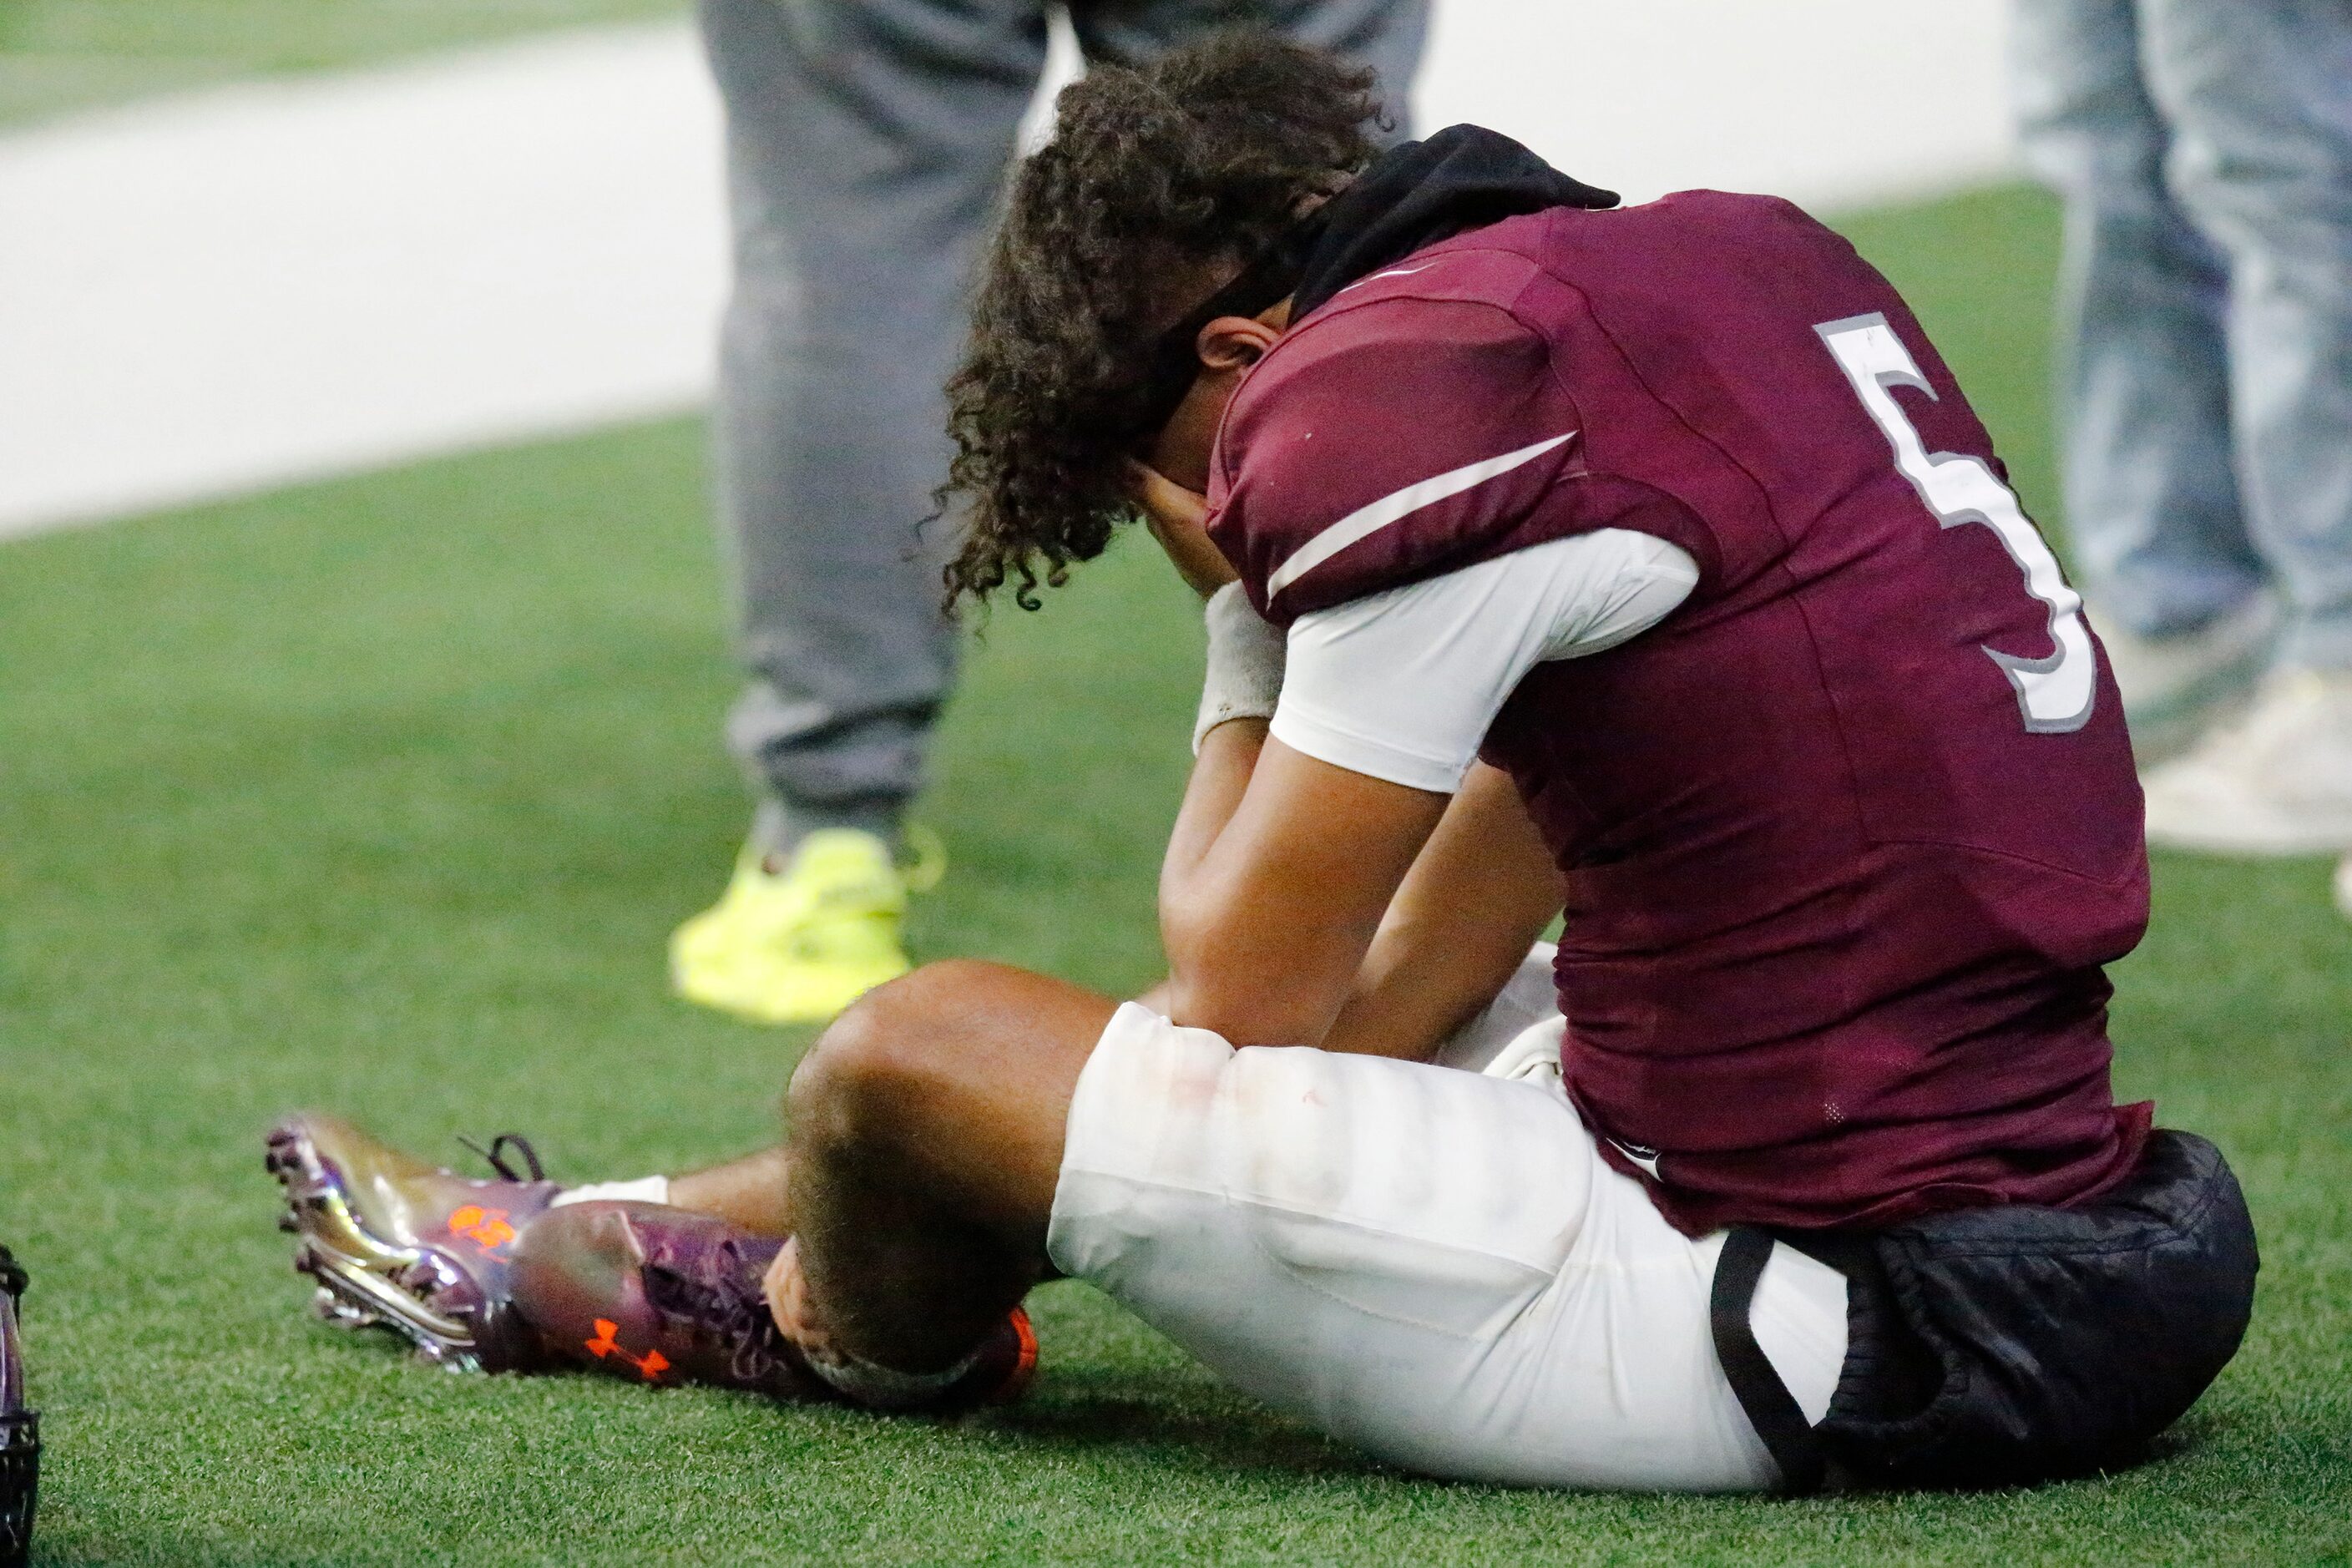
(382, 795)
(57, 55)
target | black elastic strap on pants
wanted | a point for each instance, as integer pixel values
(1771, 1408)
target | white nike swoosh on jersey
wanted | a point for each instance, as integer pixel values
(1392, 272)
(1649, 1162)
(1367, 521)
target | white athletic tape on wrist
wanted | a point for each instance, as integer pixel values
(1244, 679)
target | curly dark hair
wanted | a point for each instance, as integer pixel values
(1157, 183)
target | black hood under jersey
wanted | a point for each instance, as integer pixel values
(1408, 198)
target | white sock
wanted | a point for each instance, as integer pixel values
(644, 1190)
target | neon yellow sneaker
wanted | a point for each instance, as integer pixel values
(799, 944)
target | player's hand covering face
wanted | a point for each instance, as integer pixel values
(1168, 475)
(1177, 519)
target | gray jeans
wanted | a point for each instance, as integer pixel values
(866, 142)
(2204, 151)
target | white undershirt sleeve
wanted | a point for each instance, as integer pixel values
(1402, 685)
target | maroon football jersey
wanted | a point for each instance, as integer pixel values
(1849, 834)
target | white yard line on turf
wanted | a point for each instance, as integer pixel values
(266, 282)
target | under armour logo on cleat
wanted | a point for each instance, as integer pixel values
(487, 1228)
(652, 1364)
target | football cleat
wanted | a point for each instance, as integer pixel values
(664, 1296)
(397, 1243)
(798, 942)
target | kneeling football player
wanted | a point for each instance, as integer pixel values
(1640, 565)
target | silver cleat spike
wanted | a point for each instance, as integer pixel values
(332, 1308)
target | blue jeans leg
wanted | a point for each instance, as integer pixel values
(2259, 96)
(2151, 494)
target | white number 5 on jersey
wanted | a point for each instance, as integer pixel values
(2054, 692)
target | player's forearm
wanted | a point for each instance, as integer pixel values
(1221, 776)
(1225, 971)
(1423, 979)
(1193, 907)
(1241, 686)
(1268, 903)
(1478, 896)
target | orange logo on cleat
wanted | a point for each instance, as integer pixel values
(1024, 1366)
(652, 1364)
(488, 1229)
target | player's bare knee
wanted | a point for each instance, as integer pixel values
(867, 1077)
(837, 1089)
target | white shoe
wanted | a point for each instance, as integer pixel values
(2176, 687)
(2344, 887)
(2277, 781)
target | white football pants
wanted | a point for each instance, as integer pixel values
(1432, 1264)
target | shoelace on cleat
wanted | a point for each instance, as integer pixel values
(496, 1155)
(720, 1302)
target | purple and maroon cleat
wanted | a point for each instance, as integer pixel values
(664, 1296)
(413, 1247)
